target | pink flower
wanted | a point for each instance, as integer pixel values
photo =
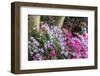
(52, 52)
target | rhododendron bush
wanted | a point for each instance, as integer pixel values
(57, 37)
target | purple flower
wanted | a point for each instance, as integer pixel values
(37, 55)
(41, 50)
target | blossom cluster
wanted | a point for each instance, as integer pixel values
(52, 42)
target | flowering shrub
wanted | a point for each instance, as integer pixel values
(52, 42)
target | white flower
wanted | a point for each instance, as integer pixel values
(62, 52)
(34, 28)
(32, 38)
(35, 50)
(62, 47)
(66, 53)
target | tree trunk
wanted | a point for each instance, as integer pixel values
(59, 21)
(34, 22)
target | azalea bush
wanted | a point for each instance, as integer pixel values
(53, 42)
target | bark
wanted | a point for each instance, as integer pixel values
(59, 21)
(34, 22)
